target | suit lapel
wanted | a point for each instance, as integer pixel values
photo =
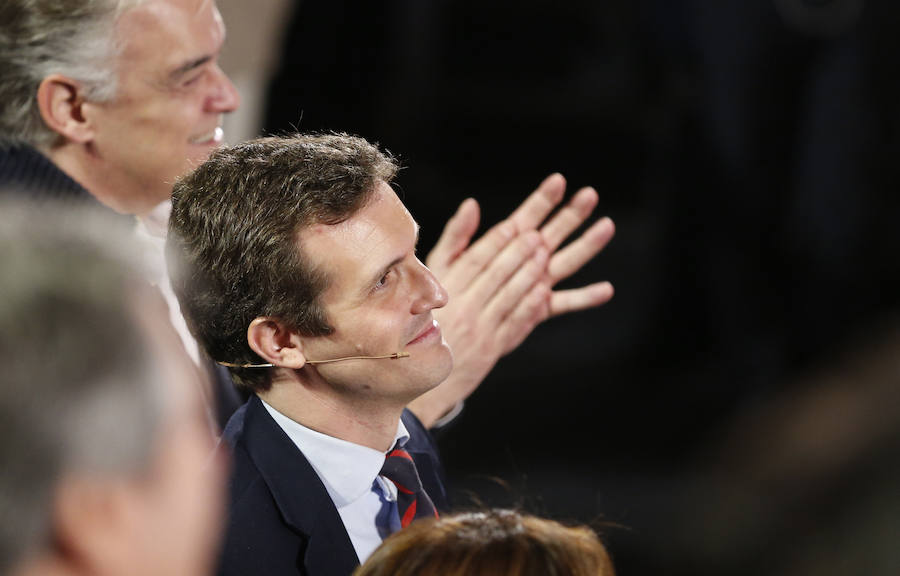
(299, 494)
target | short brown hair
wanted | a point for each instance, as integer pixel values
(492, 543)
(233, 241)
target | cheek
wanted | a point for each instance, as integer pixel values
(155, 147)
(170, 123)
(379, 333)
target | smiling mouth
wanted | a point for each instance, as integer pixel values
(430, 329)
(214, 136)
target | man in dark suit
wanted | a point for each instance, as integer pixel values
(295, 264)
(283, 520)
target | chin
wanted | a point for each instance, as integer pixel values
(443, 367)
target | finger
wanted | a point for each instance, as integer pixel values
(510, 294)
(531, 311)
(481, 255)
(565, 301)
(456, 236)
(571, 258)
(515, 258)
(569, 218)
(540, 203)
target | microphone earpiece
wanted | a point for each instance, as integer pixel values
(393, 356)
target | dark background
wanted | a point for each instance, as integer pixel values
(735, 408)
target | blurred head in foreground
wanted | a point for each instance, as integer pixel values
(104, 446)
(492, 543)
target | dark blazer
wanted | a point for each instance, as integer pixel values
(281, 520)
(27, 174)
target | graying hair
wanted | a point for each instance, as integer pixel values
(74, 38)
(79, 391)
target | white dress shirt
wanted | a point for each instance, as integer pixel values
(365, 501)
(150, 231)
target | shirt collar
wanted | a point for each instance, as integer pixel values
(346, 469)
(150, 231)
(156, 221)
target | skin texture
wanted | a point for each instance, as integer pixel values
(380, 299)
(508, 274)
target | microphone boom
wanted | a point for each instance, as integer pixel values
(393, 356)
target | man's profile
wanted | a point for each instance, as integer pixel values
(293, 251)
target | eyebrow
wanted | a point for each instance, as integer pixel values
(190, 65)
(378, 276)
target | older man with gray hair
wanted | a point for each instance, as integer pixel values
(104, 447)
(123, 97)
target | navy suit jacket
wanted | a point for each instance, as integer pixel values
(282, 521)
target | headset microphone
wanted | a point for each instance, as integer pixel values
(393, 356)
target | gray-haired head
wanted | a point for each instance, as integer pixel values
(79, 391)
(39, 38)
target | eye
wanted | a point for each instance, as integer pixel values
(385, 280)
(192, 80)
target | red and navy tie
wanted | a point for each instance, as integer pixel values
(412, 501)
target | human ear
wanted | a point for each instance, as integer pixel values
(61, 104)
(275, 343)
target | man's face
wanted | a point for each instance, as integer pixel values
(166, 116)
(379, 301)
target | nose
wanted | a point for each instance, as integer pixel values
(225, 97)
(430, 294)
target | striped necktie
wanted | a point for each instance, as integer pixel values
(412, 501)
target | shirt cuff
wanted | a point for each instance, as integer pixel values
(449, 416)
